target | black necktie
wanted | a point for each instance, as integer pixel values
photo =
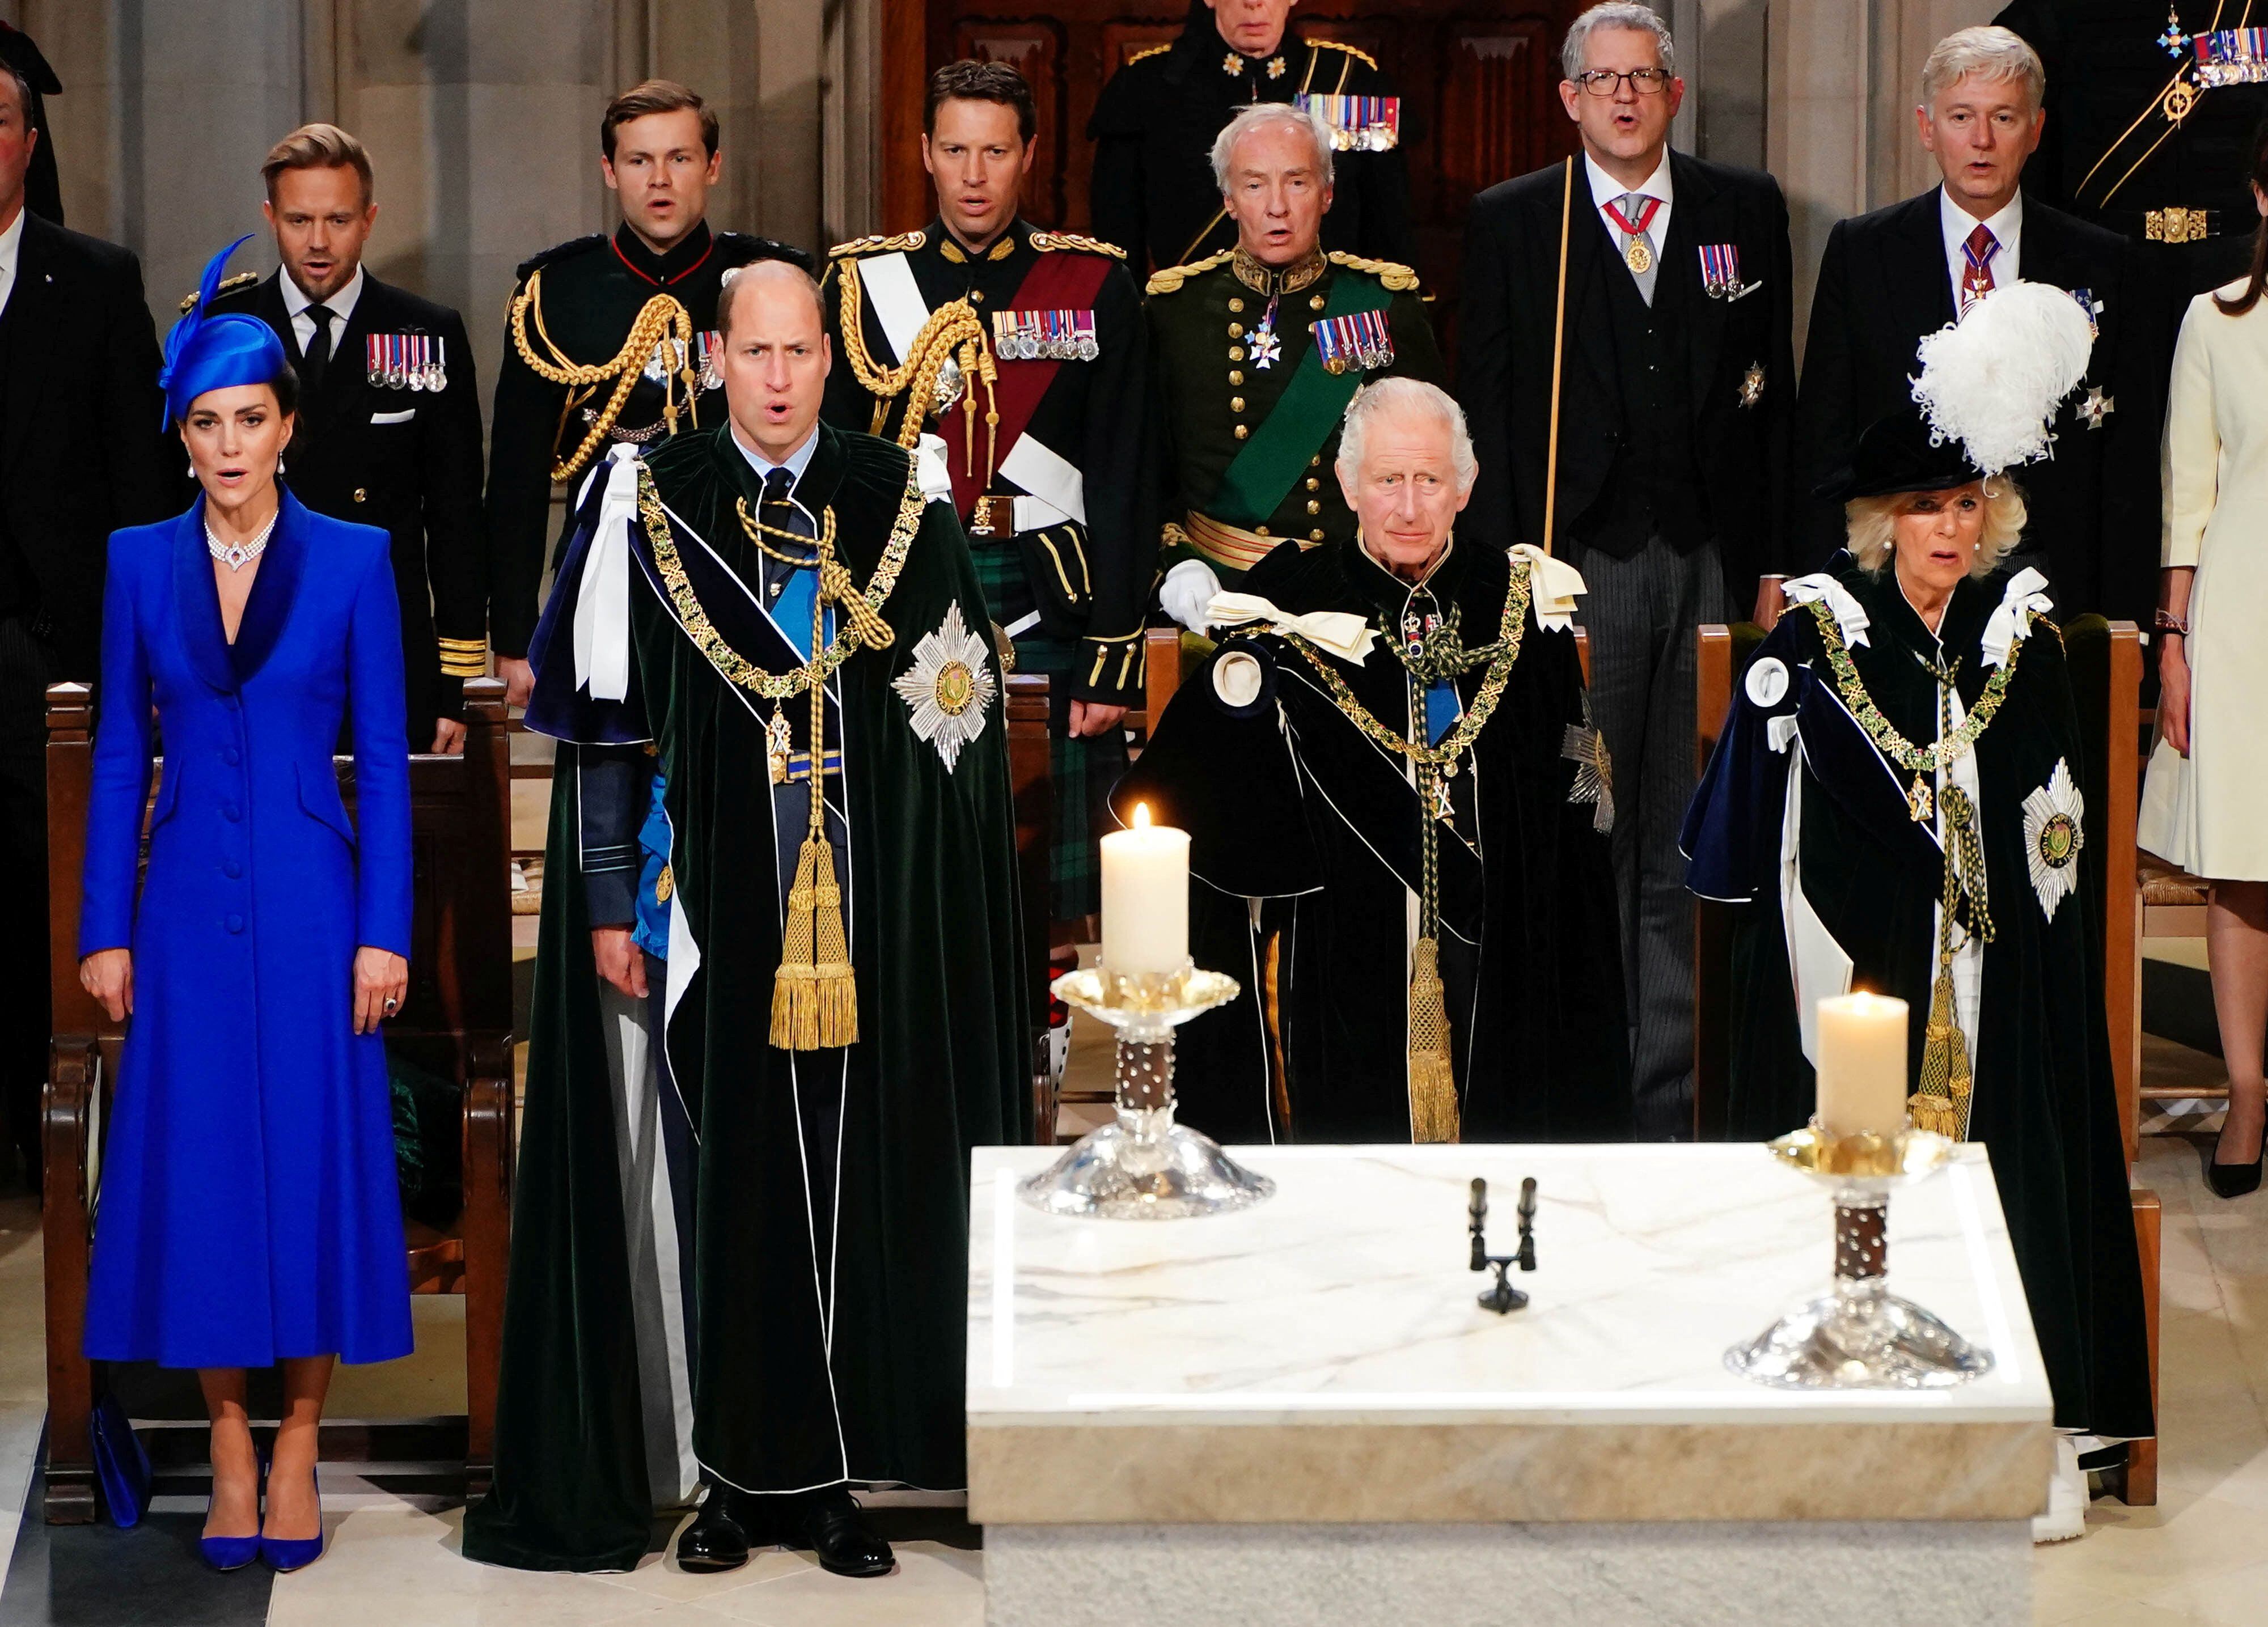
(318, 348)
(778, 484)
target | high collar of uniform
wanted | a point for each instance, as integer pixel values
(662, 269)
(957, 253)
(1266, 279)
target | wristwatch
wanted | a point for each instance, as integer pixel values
(2169, 623)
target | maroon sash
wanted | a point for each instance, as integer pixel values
(1057, 281)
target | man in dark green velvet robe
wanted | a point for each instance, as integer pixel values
(829, 1199)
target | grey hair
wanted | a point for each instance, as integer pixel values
(1870, 526)
(23, 83)
(1616, 14)
(1989, 50)
(1269, 115)
(734, 274)
(1389, 396)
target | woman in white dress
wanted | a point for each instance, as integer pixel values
(2208, 779)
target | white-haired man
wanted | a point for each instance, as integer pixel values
(786, 616)
(1255, 352)
(1665, 468)
(1397, 813)
(1889, 277)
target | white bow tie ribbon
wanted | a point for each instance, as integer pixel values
(602, 600)
(1342, 632)
(1850, 616)
(1552, 586)
(2009, 624)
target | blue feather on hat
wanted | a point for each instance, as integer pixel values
(205, 352)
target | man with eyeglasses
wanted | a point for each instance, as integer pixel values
(1889, 277)
(1637, 425)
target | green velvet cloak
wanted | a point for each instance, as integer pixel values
(941, 1067)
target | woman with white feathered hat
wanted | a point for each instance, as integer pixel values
(1896, 805)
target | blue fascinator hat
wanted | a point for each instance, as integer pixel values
(205, 352)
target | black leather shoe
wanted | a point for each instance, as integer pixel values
(2233, 1179)
(831, 1524)
(718, 1539)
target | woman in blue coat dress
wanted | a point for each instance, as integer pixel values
(248, 1213)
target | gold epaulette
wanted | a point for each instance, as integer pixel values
(1046, 240)
(1149, 51)
(228, 285)
(1170, 280)
(1364, 57)
(1398, 278)
(879, 244)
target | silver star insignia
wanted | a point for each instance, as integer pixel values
(2097, 407)
(1595, 776)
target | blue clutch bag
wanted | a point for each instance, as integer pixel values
(122, 1468)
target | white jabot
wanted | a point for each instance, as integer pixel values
(2009, 622)
(2007, 230)
(1850, 616)
(1552, 585)
(1606, 189)
(341, 306)
(603, 604)
(12, 255)
(1342, 632)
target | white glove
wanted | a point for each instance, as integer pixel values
(1189, 587)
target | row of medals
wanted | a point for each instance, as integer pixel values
(1032, 348)
(432, 376)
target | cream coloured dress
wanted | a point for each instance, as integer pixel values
(2206, 813)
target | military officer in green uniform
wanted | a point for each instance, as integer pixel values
(610, 340)
(2151, 109)
(1255, 352)
(1038, 338)
(1155, 121)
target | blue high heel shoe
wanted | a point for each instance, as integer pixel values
(295, 1553)
(234, 1553)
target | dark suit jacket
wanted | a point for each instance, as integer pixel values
(1883, 285)
(407, 461)
(84, 446)
(1511, 261)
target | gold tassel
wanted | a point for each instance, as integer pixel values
(1433, 1083)
(1940, 1102)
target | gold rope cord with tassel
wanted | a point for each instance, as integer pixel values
(660, 317)
(1432, 1081)
(1943, 1095)
(814, 992)
(953, 333)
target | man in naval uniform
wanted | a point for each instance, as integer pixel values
(2149, 127)
(1155, 121)
(389, 424)
(786, 614)
(610, 340)
(1255, 352)
(1044, 444)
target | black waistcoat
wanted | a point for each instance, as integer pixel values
(1655, 490)
(16, 591)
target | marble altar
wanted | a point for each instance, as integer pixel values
(1300, 1414)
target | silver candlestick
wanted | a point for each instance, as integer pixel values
(1145, 1166)
(1861, 1335)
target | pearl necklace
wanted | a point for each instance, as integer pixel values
(236, 556)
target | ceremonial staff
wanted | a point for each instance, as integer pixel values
(1558, 344)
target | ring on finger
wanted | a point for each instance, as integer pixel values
(392, 1005)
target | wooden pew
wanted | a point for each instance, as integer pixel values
(456, 1022)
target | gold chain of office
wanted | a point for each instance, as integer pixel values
(1499, 655)
(862, 628)
(1919, 759)
(660, 317)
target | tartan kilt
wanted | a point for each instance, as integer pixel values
(1081, 770)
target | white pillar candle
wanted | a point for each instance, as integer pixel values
(1862, 1065)
(1146, 897)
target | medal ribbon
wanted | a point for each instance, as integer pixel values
(1644, 219)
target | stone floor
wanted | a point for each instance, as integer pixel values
(2200, 1556)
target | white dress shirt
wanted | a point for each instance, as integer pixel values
(12, 255)
(1606, 189)
(798, 461)
(341, 306)
(2006, 227)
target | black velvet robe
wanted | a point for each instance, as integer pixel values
(2043, 1101)
(780, 1403)
(1305, 861)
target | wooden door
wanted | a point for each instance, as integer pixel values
(1481, 80)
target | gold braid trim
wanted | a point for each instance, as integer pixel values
(954, 326)
(734, 666)
(661, 317)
